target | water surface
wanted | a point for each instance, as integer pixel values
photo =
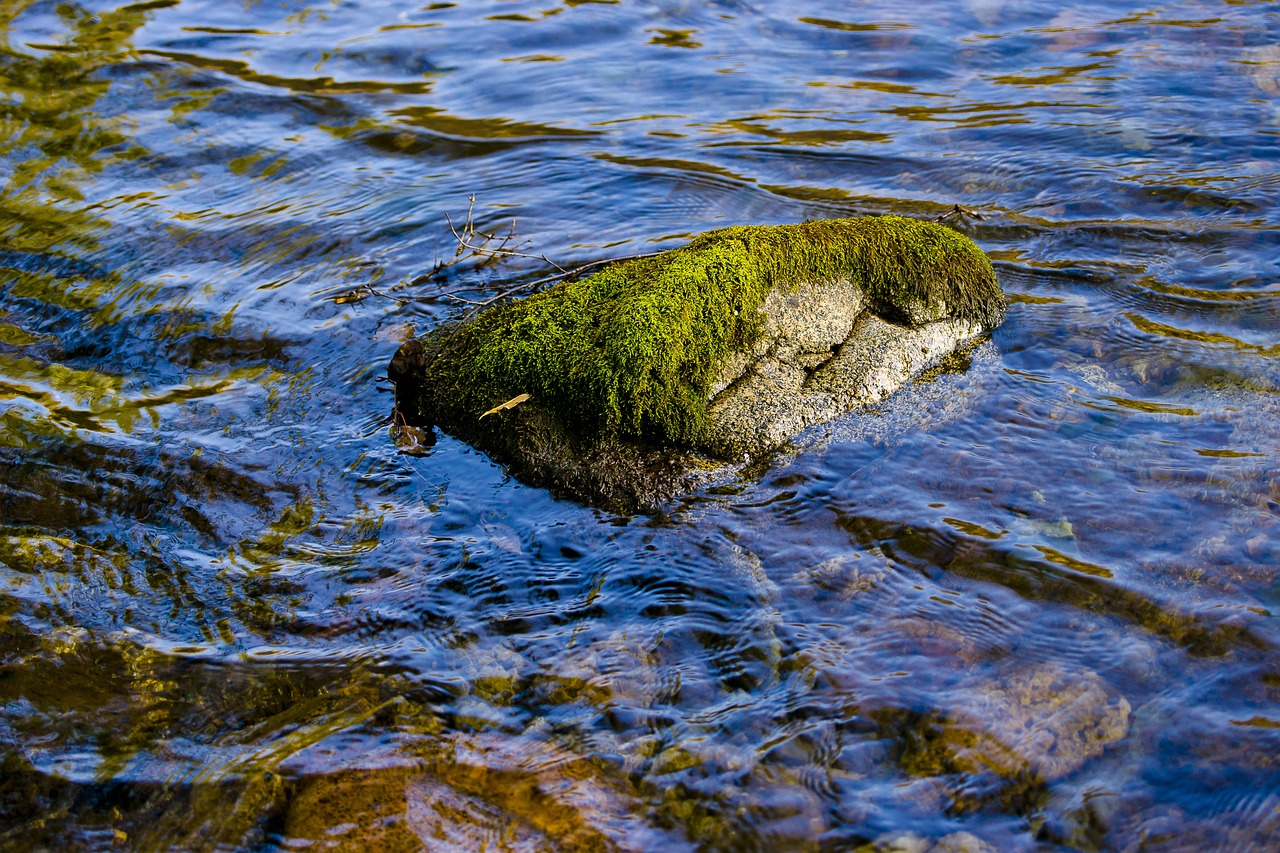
(1031, 605)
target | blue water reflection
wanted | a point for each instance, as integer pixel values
(1030, 604)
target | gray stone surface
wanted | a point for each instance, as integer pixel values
(822, 355)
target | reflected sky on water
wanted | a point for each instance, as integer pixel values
(1030, 604)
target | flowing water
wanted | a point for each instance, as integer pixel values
(1033, 604)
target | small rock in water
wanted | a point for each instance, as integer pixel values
(962, 842)
(1049, 719)
(902, 842)
(1002, 740)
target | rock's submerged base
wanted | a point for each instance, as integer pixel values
(649, 377)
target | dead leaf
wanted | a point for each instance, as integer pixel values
(412, 440)
(510, 404)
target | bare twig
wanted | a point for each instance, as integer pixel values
(958, 212)
(473, 243)
(563, 275)
(469, 230)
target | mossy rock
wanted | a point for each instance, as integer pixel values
(648, 371)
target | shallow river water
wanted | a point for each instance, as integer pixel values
(1031, 604)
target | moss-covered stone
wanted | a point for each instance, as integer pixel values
(620, 367)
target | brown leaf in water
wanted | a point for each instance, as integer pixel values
(412, 440)
(510, 404)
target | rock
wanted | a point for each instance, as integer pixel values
(481, 792)
(1002, 740)
(355, 810)
(645, 376)
(901, 842)
(910, 842)
(1049, 719)
(789, 388)
(962, 842)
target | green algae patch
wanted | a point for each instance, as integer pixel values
(632, 351)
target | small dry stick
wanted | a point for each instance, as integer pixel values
(958, 212)
(469, 247)
(550, 279)
(470, 231)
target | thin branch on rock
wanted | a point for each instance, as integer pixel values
(474, 245)
(470, 230)
(563, 275)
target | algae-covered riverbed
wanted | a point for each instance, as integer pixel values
(1033, 603)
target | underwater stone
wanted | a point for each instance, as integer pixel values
(646, 377)
(460, 792)
(1049, 719)
(1001, 741)
(962, 842)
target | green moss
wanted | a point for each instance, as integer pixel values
(632, 350)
